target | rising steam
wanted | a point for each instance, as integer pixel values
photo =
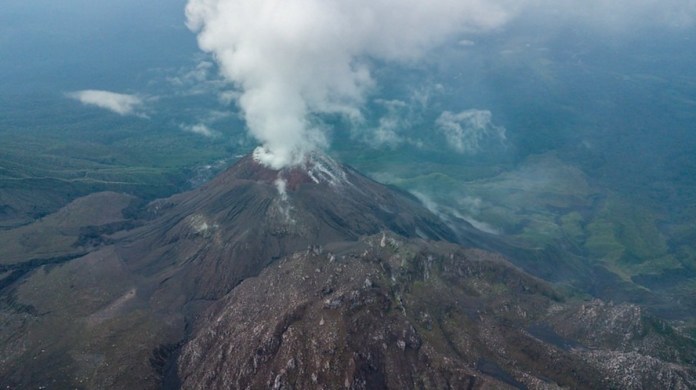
(296, 59)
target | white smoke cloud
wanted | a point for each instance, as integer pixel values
(119, 103)
(468, 131)
(295, 59)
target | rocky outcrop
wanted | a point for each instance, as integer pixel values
(394, 313)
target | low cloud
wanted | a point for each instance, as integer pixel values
(393, 121)
(385, 134)
(450, 215)
(200, 129)
(193, 76)
(202, 79)
(470, 131)
(119, 103)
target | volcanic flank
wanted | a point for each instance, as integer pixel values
(249, 216)
(309, 277)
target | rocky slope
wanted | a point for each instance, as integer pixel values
(250, 216)
(98, 319)
(387, 312)
(311, 277)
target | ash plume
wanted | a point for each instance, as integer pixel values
(295, 59)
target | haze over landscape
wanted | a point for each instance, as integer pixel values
(168, 163)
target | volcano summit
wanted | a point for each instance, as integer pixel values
(313, 276)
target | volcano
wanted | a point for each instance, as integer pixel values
(249, 216)
(313, 276)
